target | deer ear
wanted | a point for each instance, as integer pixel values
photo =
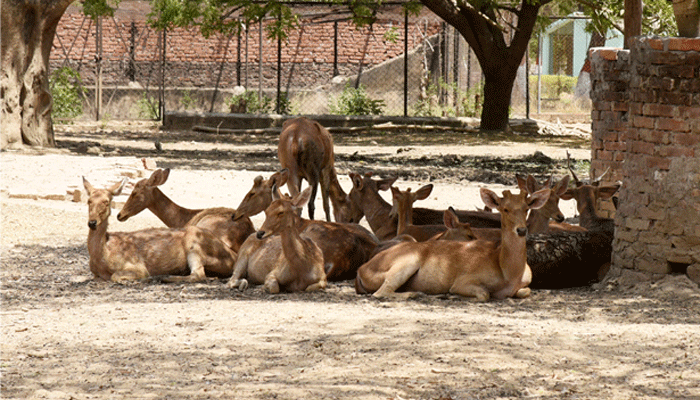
(275, 192)
(302, 198)
(522, 182)
(538, 199)
(531, 184)
(385, 184)
(258, 181)
(490, 198)
(424, 192)
(568, 194)
(606, 192)
(281, 177)
(562, 186)
(449, 218)
(88, 187)
(356, 180)
(395, 192)
(116, 189)
(158, 177)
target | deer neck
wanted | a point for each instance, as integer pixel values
(293, 245)
(512, 256)
(588, 216)
(405, 218)
(536, 222)
(96, 243)
(378, 214)
(170, 213)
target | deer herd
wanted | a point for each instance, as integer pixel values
(519, 241)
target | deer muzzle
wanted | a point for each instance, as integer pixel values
(521, 231)
(92, 224)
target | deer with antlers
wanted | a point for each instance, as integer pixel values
(586, 196)
(183, 255)
(147, 195)
(478, 268)
(299, 266)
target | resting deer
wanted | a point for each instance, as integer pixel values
(306, 149)
(459, 231)
(146, 194)
(345, 246)
(403, 208)
(586, 196)
(259, 197)
(365, 195)
(299, 264)
(122, 256)
(478, 268)
(549, 218)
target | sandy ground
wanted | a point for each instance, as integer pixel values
(68, 336)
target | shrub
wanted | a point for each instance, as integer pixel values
(67, 92)
(353, 101)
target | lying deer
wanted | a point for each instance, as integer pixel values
(306, 149)
(586, 196)
(121, 256)
(289, 262)
(478, 268)
(365, 195)
(345, 246)
(549, 218)
(146, 194)
(403, 208)
(260, 196)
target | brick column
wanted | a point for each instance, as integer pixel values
(658, 221)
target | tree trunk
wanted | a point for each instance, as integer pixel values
(28, 30)
(499, 59)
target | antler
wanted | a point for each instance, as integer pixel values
(573, 174)
(597, 180)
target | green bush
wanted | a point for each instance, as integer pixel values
(468, 101)
(148, 107)
(553, 86)
(353, 101)
(67, 92)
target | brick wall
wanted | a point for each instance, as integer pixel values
(196, 61)
(646, 128)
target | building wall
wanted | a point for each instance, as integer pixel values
(646, 128)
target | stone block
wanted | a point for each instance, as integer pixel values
(693, 273)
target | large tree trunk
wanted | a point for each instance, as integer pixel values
(28, 30)
(498, 59)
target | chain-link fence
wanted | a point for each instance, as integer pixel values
(327, 66)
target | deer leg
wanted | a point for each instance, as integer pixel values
(271, 284)
(131, 272)
(468, 289)
(395, 277)
(197, 274)
(316, 286)
(325, 187)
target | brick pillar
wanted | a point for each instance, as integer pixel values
(658, 221)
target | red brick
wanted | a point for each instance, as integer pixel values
(671, 124)
(686, 139)
(643, 148)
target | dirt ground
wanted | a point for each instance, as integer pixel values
(66, 335)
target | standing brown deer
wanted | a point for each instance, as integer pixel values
(147, 195)
(306, 149)
(186, 254)
(478, 268)
(299, 264)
